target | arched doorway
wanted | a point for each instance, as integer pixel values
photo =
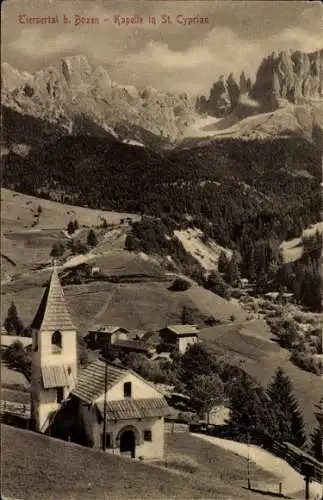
(128, 442)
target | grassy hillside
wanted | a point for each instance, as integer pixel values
(38, 467)
(27, 237)
(18, 211)
(210, 459)
(249, 346)
(143, 306)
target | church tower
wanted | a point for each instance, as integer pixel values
(54, 355)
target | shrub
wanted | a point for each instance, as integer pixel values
(132, 243)
(179, 285)
(79, 247)
(70, 227)
(92, 239)
(182, 463)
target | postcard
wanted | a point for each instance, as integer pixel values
(161, 249)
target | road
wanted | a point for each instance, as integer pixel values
(292, 481)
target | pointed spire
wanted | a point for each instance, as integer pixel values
(52, 313)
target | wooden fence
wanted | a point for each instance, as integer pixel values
(297, 458)
(16, 414)
(175, 427)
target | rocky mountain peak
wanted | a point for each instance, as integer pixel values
(289, 76)
(80, 98)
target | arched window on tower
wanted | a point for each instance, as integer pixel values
(56, 342)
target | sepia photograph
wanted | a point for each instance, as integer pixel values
(161, 250)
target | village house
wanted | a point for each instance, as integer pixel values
(103, 405)
(99, 336)
(179, 337)
(8, 340)
(138, 346)
(120, 412)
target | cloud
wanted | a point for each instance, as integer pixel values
(173, 57)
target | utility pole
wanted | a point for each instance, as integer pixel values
(248, 464)
(105, 406)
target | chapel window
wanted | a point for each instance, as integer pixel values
(56, 342)
(127, 389)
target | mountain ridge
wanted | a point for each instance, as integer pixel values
(75, 97)
(61, 95)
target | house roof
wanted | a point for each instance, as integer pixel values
(109, 329)
(134, 408)
(182, 330)
(151, 337)
(91, 380)
(7, 340)
(138, 345)
(55, 376)
(52, 313)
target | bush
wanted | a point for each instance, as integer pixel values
(217, 285)
(79, 247)
(179, 285)
(71, 227)
(92, 239)
(132, 243)
(306, 362)
(182, 463)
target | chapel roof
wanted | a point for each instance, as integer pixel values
(52, 313)
(182, 330)
(92, 380)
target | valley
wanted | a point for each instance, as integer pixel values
(161, 258)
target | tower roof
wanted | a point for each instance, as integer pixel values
(52, 313)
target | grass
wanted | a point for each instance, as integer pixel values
(11, 377)
(135, 306)
(15, 396)
(209, 462)
(247, 345)
(18, 211)
(38, 467)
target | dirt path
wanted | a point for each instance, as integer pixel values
(292, 481)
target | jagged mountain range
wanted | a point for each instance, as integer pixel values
(75, 98)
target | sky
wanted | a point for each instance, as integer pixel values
(170, 56)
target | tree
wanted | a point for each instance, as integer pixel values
(57, 250)
(251, 414)
(223, 262)
(232, 273)
(205, 391)
(187, 316)
(132, 243)
(13, 324)
(39, 209)
(71, 227)
(217, 285)
(317, 436)
(76, 225)
(17, 358)
(197, 360)
(92, 240)
(289, 417)
(79, 247)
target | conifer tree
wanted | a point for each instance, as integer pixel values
(12, 323)
(317, 436)
(223, 262)
(232, 274)
(71, 227)
(289, 417)
(92, 240)
(251, 414)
